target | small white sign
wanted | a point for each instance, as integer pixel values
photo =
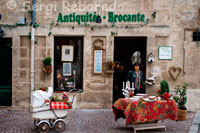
(165, 53)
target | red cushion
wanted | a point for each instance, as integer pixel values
(59, 105)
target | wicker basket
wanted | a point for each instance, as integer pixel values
(182, 115)
(47, 69)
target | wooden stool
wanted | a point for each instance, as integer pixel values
(147, 126)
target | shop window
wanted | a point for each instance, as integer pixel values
(68, 63)
(196, 36)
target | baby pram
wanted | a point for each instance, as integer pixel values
(48, 114)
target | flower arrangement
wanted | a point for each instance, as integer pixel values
(43, 88)
(166, 96)
(164, 91)
(64, 99)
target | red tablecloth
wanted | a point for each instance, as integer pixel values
(136, 112)
(59, 105)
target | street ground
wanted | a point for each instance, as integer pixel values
(85, 121)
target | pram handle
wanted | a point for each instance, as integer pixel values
(74, 94)
(70, 91)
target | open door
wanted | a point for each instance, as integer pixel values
(6, 72)
(126, 51)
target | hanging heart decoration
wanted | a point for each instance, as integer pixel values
(174, 72)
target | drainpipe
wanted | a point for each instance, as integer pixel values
(33, 49)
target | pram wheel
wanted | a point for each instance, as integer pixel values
(60, 126)
(43, 127)
(35, 123)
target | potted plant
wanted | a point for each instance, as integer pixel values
(163, 92)
(70, 81)
(47, 68)
(181, 100)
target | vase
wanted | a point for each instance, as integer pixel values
(182, 115)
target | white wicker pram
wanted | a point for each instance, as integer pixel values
(44, 117)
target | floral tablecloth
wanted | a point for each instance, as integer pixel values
(141, 112)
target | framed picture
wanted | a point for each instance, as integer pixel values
(67, 69)
(98, 61)
(165, 52)
(67, 52)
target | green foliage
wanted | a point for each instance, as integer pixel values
(49, 33)
(154, 14)
(146, 21)
(47, 61)
(30, 11)
(113, 33)
(9, 26)
(35, 25)
(51, 26)
(181, 97)
(1, 32)
(70, 79)
(164, 86)
(43, 88)
(35, 42)
(55, 99)
(29, 35)
(31, 23)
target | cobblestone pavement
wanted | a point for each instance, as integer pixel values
(84, 121)
(199, 129)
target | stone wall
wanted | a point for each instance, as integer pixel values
(21, 68)
(173, 26)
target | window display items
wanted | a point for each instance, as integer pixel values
(67, 53)
(67, 69)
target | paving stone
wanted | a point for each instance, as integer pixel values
(192, 131)
(194, 128)
(85, 121)
(198, 113)
(196, 121)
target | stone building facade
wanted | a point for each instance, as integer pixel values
(166, 23)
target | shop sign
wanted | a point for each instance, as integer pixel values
(165, 53)
(92, 17)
